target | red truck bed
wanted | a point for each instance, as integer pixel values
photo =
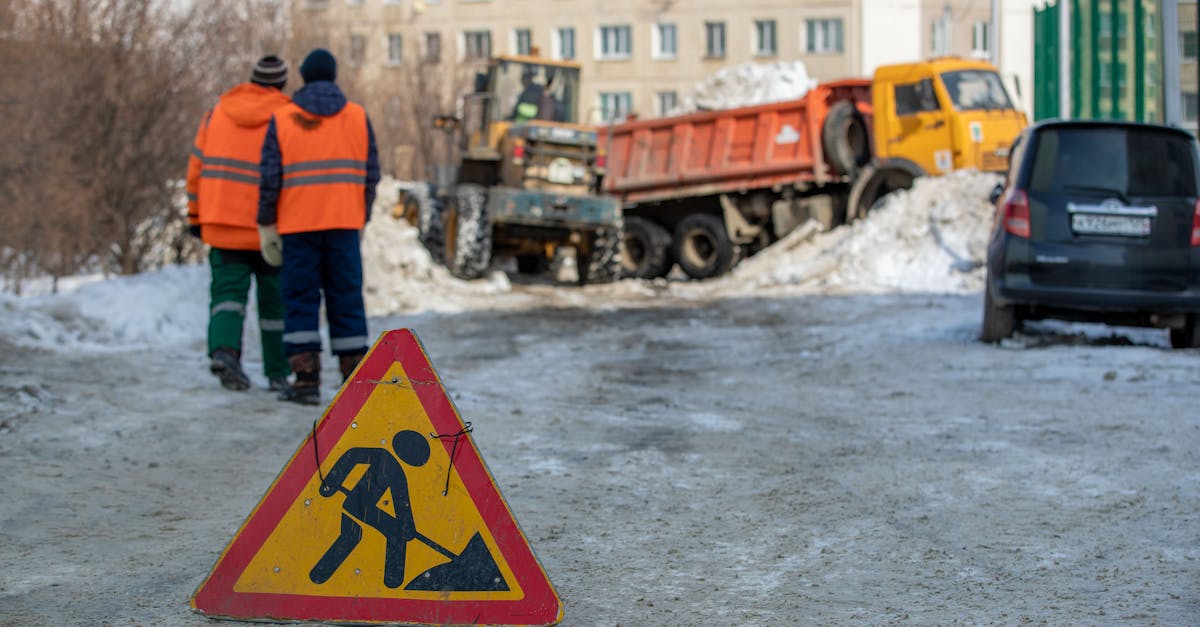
(730, 150)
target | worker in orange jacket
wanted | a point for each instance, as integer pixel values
(319, 170)
(222, 187)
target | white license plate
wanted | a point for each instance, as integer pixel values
(1097, 224)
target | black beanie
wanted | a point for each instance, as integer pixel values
(270, 71)
(319, 65)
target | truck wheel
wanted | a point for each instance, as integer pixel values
(1189, 335)
(600, 260)
(645, 250)
(844, 138)
(702, 247)
(468, 233)
(871, 186)
(999, 322)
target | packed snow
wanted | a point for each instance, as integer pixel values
(817, 437)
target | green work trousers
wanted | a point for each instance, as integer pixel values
(231, 272)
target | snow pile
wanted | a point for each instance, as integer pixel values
(399, 275)
(932, 238)
(748, 84)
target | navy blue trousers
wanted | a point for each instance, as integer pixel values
(329, 263)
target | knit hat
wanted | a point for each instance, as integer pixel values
(319, 65)
(270, 71)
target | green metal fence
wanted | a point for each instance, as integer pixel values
(1115, 66)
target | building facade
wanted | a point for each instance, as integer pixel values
(642, 55)
(1189, 70)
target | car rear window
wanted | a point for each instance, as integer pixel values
(1122, 161)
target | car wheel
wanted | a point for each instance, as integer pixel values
(999, 321)
(1189, 335)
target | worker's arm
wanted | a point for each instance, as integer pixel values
(372, 169)
(195, 167)
(339, 472)
(270, 169)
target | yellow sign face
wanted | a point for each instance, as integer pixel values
(399, 522)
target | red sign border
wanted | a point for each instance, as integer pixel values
(540, 605)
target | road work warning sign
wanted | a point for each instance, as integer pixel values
(386, 513)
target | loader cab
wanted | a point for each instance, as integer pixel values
(521, 90)
(944, 114)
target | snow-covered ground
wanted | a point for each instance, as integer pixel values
(816, 438)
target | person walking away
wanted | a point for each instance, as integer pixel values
(319, 171)
(222, 188)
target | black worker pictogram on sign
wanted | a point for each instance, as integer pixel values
(386, 513)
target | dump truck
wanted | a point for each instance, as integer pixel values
(522, 178)
(705, 189)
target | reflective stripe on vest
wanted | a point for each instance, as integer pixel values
(324, 162)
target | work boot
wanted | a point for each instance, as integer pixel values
(226, 364)
(347, 362)
(278, 384)
(306, 389)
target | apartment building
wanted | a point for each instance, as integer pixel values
(643, 56)
(1189, 69)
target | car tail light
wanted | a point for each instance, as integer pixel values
(1016, 214)
(1196, 225)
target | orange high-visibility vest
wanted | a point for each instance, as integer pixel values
(223, 171)
(324, 162)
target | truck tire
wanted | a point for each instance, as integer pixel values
(845, 139)
(702, 247)
(468, 234)
(1188, 336)
(871, 185)
(601, 263)
(999, 321)
(645, 250)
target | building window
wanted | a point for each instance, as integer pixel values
(477, 44)
(981, 39)
(614, 42)
(764, 38)
(665, 44)
(523, 40)
(433, 47)
(667, 101)
(714, 39)
(1190, 103)
(358, 49)
(395, 48)
(939, 38)
(615, 105)
(1188, 46)
(564, 45)
(824, 35)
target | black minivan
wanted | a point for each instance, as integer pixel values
(1097, 221)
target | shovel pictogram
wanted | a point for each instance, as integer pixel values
(474, 569)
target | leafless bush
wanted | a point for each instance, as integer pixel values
(99, 102)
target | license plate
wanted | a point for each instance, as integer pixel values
(1096, 224)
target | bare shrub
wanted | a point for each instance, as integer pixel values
(99, 103)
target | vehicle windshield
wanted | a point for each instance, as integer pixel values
(974, 90)
(1114, 161)
(526, 91)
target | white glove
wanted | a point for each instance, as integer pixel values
(271, 244)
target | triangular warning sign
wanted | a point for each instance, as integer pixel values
(386, 513)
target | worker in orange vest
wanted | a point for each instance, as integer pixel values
(319, 170)
(222, 187)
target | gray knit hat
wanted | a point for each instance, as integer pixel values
(270, 71)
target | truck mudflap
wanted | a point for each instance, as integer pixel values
(508, 205)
